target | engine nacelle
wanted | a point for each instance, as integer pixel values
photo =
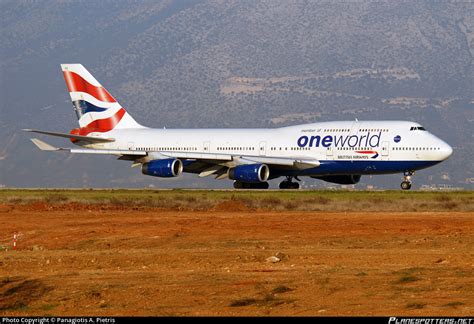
(250, 173)
(340, 179)
(166, 168)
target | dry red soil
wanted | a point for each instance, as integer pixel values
(91, 260)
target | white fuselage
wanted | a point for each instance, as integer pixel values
(406, 144)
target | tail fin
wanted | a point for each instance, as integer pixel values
(96, 109)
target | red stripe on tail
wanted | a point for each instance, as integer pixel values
(100, 125)
(75, 83)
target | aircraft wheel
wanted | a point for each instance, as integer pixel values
(289, 185)
(246, 185)
(238, 185)
(263, 185)
(406, 185)
(284, 185)
(295, 185)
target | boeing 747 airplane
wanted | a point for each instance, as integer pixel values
(337, 152)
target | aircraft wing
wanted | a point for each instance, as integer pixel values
(245, 159)
(229, 160)
(209, 163)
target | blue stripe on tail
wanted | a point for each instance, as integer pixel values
(83, 107)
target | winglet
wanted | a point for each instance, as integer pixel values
(43, 146)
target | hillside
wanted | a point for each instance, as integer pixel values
(234, 64)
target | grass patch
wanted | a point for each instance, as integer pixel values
(319, 200)
(47, 307)
(443, 198)
(17, 307)
(16, 293)
(407, 279)
(408, 275)
(415, 306)
(291, 205)
(281, 290)
(302, 200)
(243, 302)
(268, 300)
(454, 304)
(271, 201)
(450, 205)
(56, 198)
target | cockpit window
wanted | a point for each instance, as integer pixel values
(417, 128)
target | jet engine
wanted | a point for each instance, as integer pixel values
(165, 168)
(250, 173)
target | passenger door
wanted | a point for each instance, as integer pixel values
(206, 146)
(354, 131)
(385, 150)
(262, 151)
(329, 152)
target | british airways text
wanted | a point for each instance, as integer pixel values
(367, 140)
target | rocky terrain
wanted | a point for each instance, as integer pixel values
(234, 64)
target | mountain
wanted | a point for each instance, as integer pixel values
(234, 64)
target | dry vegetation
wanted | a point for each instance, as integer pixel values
(206, 200)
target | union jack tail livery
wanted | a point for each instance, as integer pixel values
(96, 110)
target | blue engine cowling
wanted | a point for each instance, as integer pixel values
(250, 173)
(166, 168)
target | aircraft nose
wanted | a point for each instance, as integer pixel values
(446, 151)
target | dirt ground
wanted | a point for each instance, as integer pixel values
(79, 259)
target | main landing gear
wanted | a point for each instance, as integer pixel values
(248, 185)
(406, 183)
(289, 184)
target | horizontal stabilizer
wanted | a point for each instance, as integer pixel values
(43, 146)
(113, 152)
(89, 139)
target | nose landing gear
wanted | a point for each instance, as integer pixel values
(406, 183)
(289, 184)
